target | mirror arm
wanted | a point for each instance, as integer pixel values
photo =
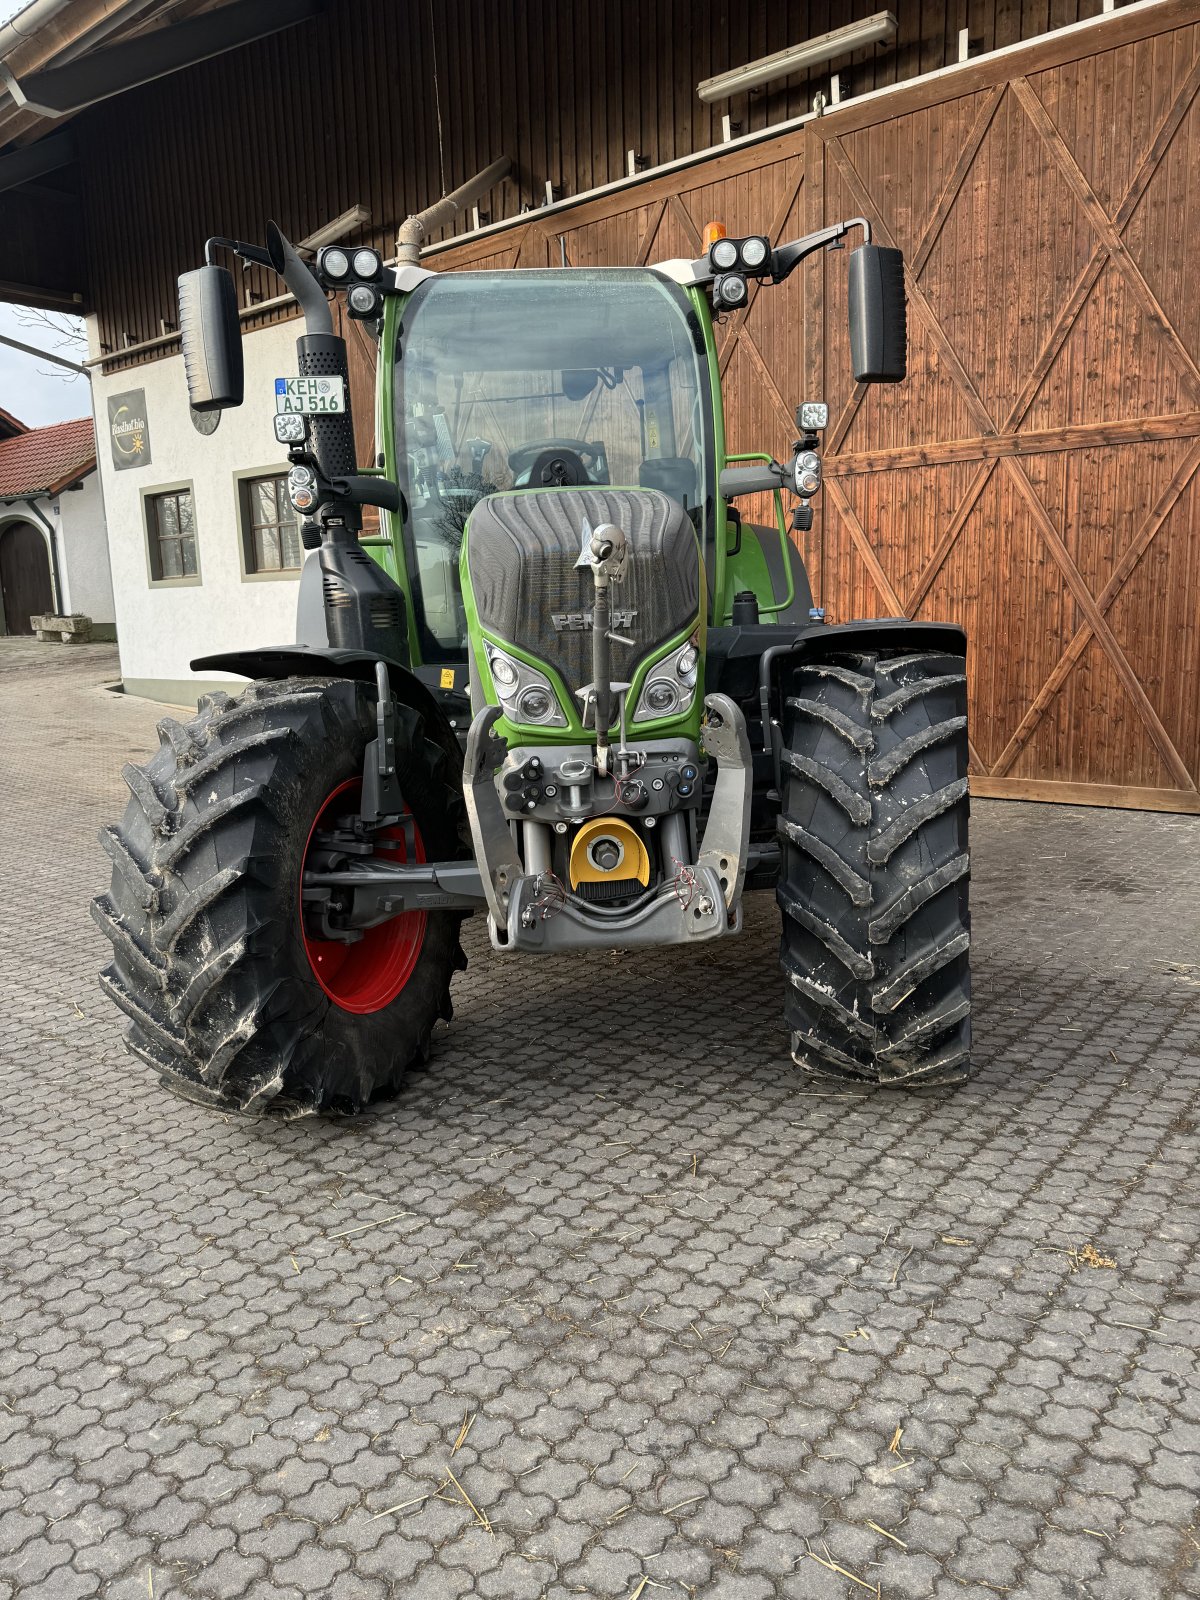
(788, 257)
(279, 256)
(244, 251)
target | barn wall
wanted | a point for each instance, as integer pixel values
(343, 110)
(1036, 476)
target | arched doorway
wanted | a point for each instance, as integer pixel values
(25, 585)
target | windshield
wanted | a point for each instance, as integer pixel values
(535, 379)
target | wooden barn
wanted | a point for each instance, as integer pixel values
(1037, 160)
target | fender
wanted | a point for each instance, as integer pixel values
(890, 633)
(299, 660)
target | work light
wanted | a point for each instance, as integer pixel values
(367, 264)
(333, 263)
(290, 428)
(723, 254)
(754, 252)
(812, 416)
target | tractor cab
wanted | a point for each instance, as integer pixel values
(506, 382)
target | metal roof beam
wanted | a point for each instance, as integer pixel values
(101, 74)
(34, 160)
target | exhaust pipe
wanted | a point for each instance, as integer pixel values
(414, 228)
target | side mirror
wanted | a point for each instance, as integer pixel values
(577, 385)
(211, 337)
(878, 318)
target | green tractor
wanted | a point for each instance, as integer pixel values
(567, 686)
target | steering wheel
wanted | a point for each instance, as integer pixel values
(558, 469)
(554, 463)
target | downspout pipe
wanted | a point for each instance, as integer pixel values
(414, 228)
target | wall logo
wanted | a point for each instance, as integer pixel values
(128, 431)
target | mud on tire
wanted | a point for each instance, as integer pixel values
(203, 914)
(875, 868)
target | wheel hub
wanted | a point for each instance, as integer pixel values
(362, 970)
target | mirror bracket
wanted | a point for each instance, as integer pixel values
(251, 254)
(788, 257)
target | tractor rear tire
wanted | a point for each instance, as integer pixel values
(232, 1000)
(875, 867)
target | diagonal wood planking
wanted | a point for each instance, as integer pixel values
(1109, 245)
(1020, 444)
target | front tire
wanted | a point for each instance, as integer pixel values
(875, 867)
(232, 999)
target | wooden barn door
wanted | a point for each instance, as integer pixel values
(1036, 477)
(24, 576)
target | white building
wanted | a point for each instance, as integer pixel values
(53, 545)
(204, 544)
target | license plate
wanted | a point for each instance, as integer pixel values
(310, 395)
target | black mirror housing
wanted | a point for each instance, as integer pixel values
(212, 338)
(878, 315)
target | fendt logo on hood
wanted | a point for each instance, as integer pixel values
(581, 621)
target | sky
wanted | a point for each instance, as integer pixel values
(32, 390)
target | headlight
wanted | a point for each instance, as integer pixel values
(661, 697)
(524, 693)
(729, 290)
(535, 704)
(364, 300)
(671, 686)
(754, 253)
(367, 264)
(724, 254)
(333, 262)
(301, 477)
(504, 674)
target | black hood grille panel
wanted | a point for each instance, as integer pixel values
(521, 555)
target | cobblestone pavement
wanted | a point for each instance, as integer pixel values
(608, 1303)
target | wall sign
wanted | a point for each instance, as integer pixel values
(128, 431)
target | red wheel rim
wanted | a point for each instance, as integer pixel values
(369, 974)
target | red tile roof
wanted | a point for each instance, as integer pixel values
(45, 460)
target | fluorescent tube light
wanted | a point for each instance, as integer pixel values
(826, 47)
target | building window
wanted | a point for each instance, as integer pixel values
(270, 530)
(172, 531)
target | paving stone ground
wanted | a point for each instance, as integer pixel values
(608, 1303)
